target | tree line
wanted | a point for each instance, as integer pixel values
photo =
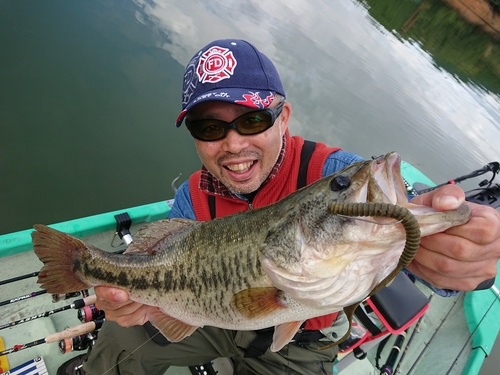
(461, 48)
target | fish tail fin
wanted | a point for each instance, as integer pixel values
(57, 251)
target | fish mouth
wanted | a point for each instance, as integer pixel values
(386, 171)
(383, 182)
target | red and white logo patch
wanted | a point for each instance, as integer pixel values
(216, 64)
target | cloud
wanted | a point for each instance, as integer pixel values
(351, 82)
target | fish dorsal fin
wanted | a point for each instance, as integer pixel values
(283, 333)
(257, 303)
(173, 329)
(148, 239)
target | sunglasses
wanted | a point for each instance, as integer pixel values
(250, 123)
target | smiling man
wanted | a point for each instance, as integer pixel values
(235, 107)
(242, 164)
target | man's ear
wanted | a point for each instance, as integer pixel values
(285, 115)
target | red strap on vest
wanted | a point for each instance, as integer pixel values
(320, 322)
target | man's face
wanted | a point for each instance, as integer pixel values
(241, 162)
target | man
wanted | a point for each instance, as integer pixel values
(234, 107)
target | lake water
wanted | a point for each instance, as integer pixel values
(90, 91)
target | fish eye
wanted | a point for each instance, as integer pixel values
(340, 183)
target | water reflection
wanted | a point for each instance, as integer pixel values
(454, 43)
(92, 89)
(354, 77)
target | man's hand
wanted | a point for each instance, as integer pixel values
(119, 308)
(464, 256)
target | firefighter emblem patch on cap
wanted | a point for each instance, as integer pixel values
(216, 64)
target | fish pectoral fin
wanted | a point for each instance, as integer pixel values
(173, 329)
(255, 303)
(149, 238)
(283, 334)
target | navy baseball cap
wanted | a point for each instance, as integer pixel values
(233, 71)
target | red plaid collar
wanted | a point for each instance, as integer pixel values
(210, 184)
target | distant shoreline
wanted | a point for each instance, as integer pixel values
(478, 12)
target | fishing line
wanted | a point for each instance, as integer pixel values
(433, 335)
(172, 185)
(129, 354)
(495, 290)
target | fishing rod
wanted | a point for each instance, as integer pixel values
(55, 297)
(90, 312)
(58, 336)
(388, 368)
(78, 304)
(493, 167)
(495, 290)
(416, 330)
(489, 196)
(22, 298)
(17, 278)
(81, 342)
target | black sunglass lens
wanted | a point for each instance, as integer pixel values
(208, 129)
(254, 122)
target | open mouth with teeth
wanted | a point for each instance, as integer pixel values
(240, 168)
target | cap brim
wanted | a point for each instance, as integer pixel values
(258, 99)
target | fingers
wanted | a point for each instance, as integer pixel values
(477, 240)
(110, 298)
(119, 308)
(483, 228)
(463, 256)
(448, 197)
(132, 314)
(444, 281)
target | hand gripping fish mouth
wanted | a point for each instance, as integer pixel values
(371, 234)
(302, 257)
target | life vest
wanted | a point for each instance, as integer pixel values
(302, 165)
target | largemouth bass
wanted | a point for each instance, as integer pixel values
(274, 266)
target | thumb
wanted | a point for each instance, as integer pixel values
(448, 197)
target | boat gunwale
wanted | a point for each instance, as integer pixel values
(20, 241)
